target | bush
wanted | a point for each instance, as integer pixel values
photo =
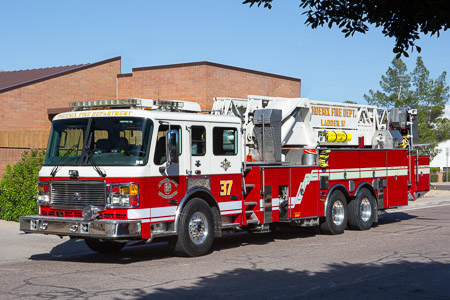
(435, 169)
(444, 176)
(433, 177)
(18, 186)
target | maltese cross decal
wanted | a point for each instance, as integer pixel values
(225, 164)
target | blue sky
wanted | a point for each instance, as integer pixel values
(38, 34)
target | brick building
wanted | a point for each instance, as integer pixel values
(202, 81)
(29, 99)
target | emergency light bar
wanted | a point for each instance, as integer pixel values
(79, 105)
(166, 105)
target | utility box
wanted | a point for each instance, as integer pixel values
(267, 130)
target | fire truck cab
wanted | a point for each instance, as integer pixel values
(126, 169)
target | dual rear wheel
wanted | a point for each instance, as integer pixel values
(359, 214)
(362, 211)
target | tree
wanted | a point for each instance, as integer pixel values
(396, 86)
(416, 90)
(401, 19)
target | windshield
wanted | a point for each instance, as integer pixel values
(121, 141)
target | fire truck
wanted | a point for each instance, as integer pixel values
(145, 170)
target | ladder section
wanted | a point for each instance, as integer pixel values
(251, 203)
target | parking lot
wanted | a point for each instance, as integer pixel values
(406, 256)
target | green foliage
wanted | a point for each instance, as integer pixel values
(444, 176)
(433, 177)
(416, 90)
(435, 169)
(18, 186)
(401, 19)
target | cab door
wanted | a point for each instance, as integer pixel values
(226, 164)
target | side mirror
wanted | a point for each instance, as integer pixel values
(173, 147)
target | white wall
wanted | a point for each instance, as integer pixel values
(440, 159)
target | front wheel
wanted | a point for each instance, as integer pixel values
(336, 214)
(362, 211)
(195, 229)
(104, 246)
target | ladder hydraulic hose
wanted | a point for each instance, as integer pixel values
(323, 158)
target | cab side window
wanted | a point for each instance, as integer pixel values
(160, 148)
(198, 141)
(225, 141)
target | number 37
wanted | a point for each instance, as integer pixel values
(225, 187)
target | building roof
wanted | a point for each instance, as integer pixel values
(207, 63)
(10, 80)
(13, 78)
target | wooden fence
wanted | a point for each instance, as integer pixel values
(25, 139)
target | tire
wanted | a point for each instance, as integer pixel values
(195, 230)
(336, 214)
(104, 246)
(362, 211)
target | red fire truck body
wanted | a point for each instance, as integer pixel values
(139, 169)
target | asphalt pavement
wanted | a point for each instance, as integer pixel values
(16, 245)
(441, 186)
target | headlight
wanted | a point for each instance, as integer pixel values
(89, 212)
(123, 195)
(43, 193)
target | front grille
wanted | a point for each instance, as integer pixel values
(77, 194)
(114, 216)
(68, 214)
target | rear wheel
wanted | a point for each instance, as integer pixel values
(195, 229)
(104, 246)
(362, 211)
(336, 214)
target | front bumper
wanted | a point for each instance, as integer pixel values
(113, 229)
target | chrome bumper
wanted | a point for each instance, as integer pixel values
(81, 228)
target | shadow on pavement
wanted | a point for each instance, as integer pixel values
(401, 280)
(394, 217)
(76, 250)
(390, 280)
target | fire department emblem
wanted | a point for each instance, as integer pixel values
(167, 188)
(225, 164)
(77, 196)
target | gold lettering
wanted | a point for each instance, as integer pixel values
(332, 123)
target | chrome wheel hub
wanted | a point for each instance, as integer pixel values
(198, 228)
(338, 213)
(365, 210)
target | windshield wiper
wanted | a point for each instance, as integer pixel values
(90, 157)
(58, 164)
